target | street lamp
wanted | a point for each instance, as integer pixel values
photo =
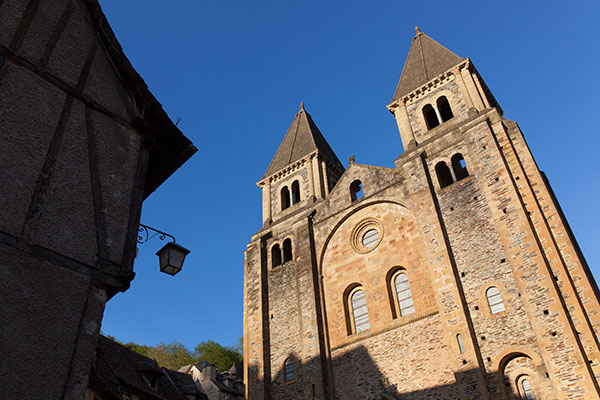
(171, 256)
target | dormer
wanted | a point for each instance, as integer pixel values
(436, 88)
(304, 169)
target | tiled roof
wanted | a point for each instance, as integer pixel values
(302, 138)
(426, 59)
(170, 147)
(119, 370)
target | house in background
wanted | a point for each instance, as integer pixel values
(121, 373)
(84, 142)
(216, 385)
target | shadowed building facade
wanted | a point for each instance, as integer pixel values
(453, 275)
(84, 142)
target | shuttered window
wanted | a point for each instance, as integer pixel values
(359, 311)
(288, 369)
(370, 238)
(527, 390)
(405, 300)
(461, 346)
(494, 299)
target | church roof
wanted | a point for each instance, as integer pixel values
(426, 59)
(302, 138)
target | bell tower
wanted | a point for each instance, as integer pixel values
(435, 86)
(303, 170)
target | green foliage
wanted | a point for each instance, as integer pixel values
(171, 356)
(140, 348)
(176, 355)
(221, 357)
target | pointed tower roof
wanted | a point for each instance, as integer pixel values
(426, 60)
(302, 138)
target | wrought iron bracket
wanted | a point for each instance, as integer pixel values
(146, 233)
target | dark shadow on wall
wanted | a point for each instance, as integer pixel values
(356, 376)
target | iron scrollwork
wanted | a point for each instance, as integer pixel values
(146, 233)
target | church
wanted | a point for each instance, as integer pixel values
(454, 275)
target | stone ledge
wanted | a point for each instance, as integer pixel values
(390, 328)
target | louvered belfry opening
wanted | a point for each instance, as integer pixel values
(287, 250)
(443, 174)
(459, 166)
(430, 116)
(444, 109)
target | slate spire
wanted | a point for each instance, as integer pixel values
(302, 138)
(426, 59)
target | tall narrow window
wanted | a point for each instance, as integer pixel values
(461, 346)
(295, 192)
(405, 300)
(527, 389)
(444, 108)
(288, 369)
(494, 299)
(360, 313)
(443, 173)
(287, 250)
(430, 116)
(285, 198)
(356, 191)
(275, 255)
(459, 166)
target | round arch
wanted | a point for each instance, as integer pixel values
(344, 219)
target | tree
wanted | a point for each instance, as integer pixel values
(222, 357)
(171, 356)
(140, 348)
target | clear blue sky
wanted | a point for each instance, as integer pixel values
(236, 71)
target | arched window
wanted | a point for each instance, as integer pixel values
(356, 191)
(275, 255)
(430, 116)
(525, 387)
(360, 314)
(444, 108)
(443, 173)
(494, 299)
(459, 166)
(285, 198)
(461, 346)
(295, 192)
(288, 369)
(287, 250)
(403, 294)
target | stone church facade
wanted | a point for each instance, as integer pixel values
(453, 275)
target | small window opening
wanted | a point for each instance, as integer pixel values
(356, 191)
(459, 166)
(430, 116)
(405, 300)
(295, 192)
(527, 389)
(494, 299)
(461, 346)
(443, 173)
(275, 255)
(285, 198)
(287, 250)
(359, 311)
(370, 238)
(444, 108)
(288, 369)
